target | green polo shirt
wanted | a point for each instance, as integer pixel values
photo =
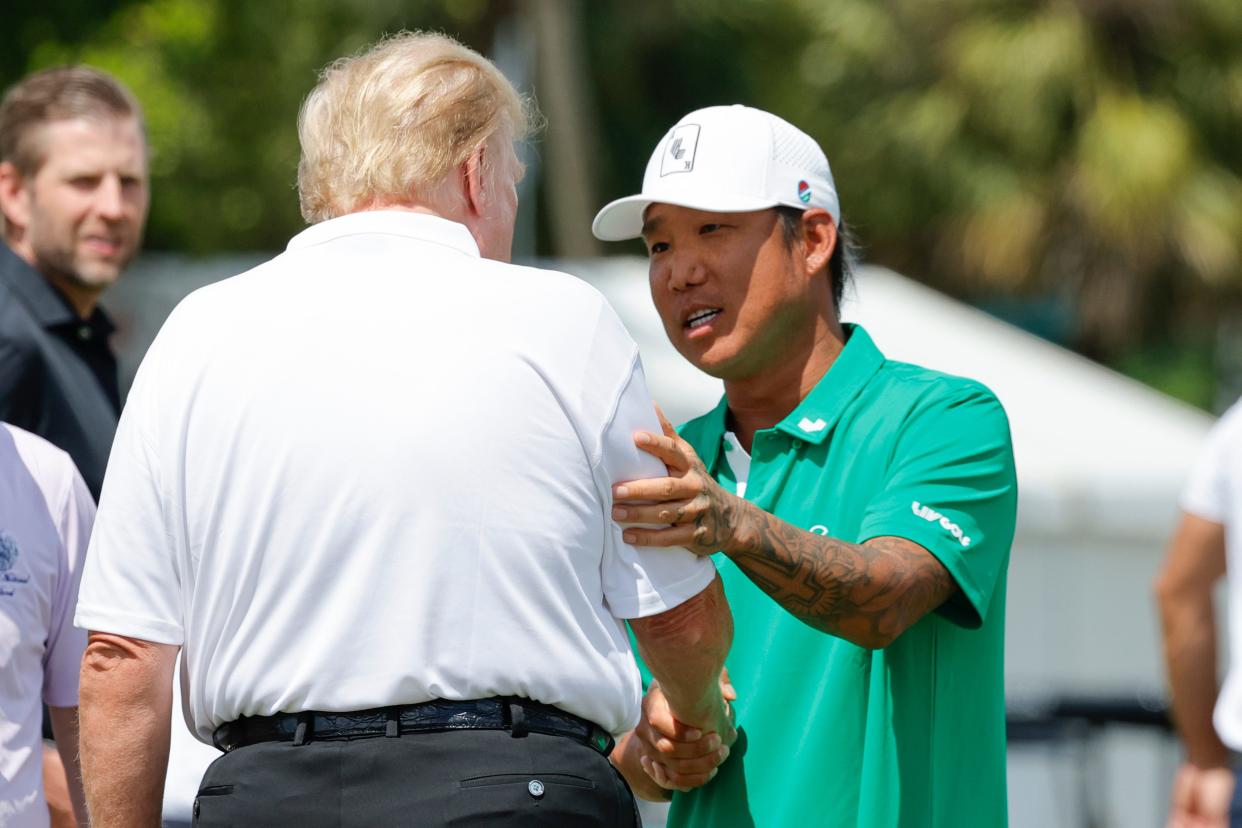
(832, 734)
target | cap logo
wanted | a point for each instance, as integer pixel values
(804, 192)
(679, 155)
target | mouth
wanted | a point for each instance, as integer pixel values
(700, 318)
(103, 246)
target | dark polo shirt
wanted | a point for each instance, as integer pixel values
(58, 376)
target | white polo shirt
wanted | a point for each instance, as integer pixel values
(1215, 493)
(377, 470)
(45, 521)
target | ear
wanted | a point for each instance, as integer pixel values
(14, 196)
(819, 238)
(472, 179)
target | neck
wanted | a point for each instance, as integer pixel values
(80, 297)
(764, 399)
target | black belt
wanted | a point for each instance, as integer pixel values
(520, 716)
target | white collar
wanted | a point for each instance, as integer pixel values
(421, 226)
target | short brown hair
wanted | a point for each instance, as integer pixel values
(62, 93)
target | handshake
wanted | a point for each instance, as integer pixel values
(664, 754)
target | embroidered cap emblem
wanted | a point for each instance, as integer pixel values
(682, 146)
(804, 192)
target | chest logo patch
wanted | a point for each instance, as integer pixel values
(8, 552)
(930, 515)
(8, 560)
(812, 426)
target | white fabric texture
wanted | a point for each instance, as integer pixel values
(1214, 493)
(45, 522)
(377, 470)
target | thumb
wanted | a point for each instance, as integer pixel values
(727, 690)
(669, 431)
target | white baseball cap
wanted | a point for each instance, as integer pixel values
(726, 159)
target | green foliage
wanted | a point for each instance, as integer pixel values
(1084, 151)
(221, 82)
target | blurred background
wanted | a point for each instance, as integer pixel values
(1058, 184)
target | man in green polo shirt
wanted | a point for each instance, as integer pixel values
(860, 510)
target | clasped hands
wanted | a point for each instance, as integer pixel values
(700, 516)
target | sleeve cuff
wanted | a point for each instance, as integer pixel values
(131, 626)
(967, 610)
(650, 602)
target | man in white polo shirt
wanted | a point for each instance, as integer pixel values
(1208, 715)
(45, 522)
(365, 488)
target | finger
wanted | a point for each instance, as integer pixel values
(727, 690)
(675, 536)
(686, 781)
(680, 769)
(668, 450)
(664, 423)
(657, 773)
(671, 512)
(658, 489)
(688, 748)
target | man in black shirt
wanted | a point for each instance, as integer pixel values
(73, 202)
(73, 194)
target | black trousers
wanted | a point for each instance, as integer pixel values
(460, 778)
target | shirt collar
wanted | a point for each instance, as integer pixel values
(45, 303)
(420, 226)
(714, 428)
(814, 417)
(819, 411)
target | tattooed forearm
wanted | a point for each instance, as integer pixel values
(866, 593)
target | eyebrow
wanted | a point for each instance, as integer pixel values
(651, 224)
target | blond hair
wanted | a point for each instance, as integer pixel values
(391, 123)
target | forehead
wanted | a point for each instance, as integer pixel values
(662, 217)
(93, 144)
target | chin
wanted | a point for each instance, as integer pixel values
(97, 277)
(708, 363)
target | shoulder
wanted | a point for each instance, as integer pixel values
(564, 306)
(18, 330)
(1229, 426)
(51, 468)
(916, 390)
(561, 288)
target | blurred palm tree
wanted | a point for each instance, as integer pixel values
(1088, 150)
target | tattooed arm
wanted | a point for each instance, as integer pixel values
(867, 593)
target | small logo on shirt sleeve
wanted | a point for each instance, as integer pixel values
(930, 515)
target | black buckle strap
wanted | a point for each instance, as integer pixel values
(518, 716)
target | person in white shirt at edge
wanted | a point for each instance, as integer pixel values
(372, 476)
(45, 522)
(1205, 790)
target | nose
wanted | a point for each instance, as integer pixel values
(685, 270)
(109, 200)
